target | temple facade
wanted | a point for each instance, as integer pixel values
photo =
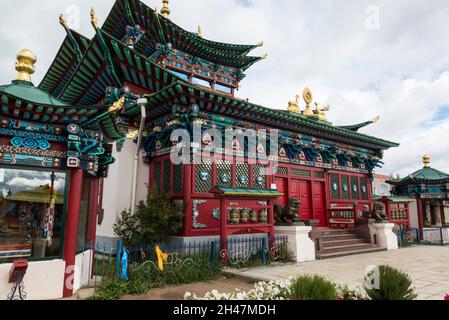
(145, 93)
(430, 188)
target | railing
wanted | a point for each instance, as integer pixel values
(101, 260)
(426, 236)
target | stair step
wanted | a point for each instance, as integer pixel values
(348, 252)
(339, 248)
(342, 242)
(339, 237)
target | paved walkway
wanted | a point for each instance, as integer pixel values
(428, 266)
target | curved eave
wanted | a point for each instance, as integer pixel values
(129, 12)
(225, 105)
(63, 65)
(356, 127)
(19, 108)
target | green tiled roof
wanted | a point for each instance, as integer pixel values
(394, 198)
(424, 175)
(27, 91)
(249, 192)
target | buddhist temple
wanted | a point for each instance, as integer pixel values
(103, 122)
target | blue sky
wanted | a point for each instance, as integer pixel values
(362, 57)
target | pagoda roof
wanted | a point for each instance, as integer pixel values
(162, 30)
(426, 175)
(393, 198)
(27, 91)
(86, 81)
(22, 100)
(65, 63)
(160, 102)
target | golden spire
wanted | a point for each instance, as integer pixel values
(321, 113)
(200, 31)
(293, 106)
(63, 21)
(376, 119)
(93, 18)
(165, 11)
(264, 56)
(426, 161)
(308, 98)
(25, 64)
(260, 44)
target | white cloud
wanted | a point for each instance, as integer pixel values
(400, 71)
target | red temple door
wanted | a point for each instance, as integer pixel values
(281, 185)
(319, 206)
(306, 200)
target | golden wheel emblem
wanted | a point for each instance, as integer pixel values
(307, 95)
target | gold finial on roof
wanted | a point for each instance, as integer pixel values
(200, 31)
(63, 21)
(264, 56)
(376, 119)
(93, 18)
(260, 44)
(308, 98)
(321, 113)
(426, 161)
(25, 64)
(165, 11)
(293, 106)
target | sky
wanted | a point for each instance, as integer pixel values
(362, 57)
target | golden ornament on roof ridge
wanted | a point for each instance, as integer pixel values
(26, 60)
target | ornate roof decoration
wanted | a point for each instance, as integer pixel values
(426, 175)
(358, 126)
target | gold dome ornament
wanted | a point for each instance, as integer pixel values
(26, 60)
(308, 98)
(293, 106)
(165, 11)
(426, 161)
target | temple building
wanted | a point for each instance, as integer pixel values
(110, 106)
(430, 188)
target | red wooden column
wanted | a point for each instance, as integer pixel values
(71, 229)
(419, 204)
(187, 189)
(223, 245)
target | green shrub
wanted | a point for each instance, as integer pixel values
(153, 221)
(313, 288)
(393, 285)
(110, 289)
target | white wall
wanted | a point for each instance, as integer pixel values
(118, 186)
(414, 222)
(43, 280)
(83, 269)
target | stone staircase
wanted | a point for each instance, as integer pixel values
(342, 242)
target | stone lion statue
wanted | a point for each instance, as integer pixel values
(289, 214)
(378, 213)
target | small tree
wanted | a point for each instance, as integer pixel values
(393, 285)
(154, 219)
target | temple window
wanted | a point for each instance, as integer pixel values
(201, 82)
(355, 188)
(84, 223)
(345, 187)
(177, 178)
(364, 188)
(31, 213)
(203, 176)
(242, 175)
(157, 173)
(259, 178)
(335, 186)
(222, 88)
(167, 175)
(180, 75)
(224, 173)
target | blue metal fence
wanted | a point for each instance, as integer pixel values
(106, 260)
(426, 236)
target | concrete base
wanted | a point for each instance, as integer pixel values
(382, 234)
(299, 242)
